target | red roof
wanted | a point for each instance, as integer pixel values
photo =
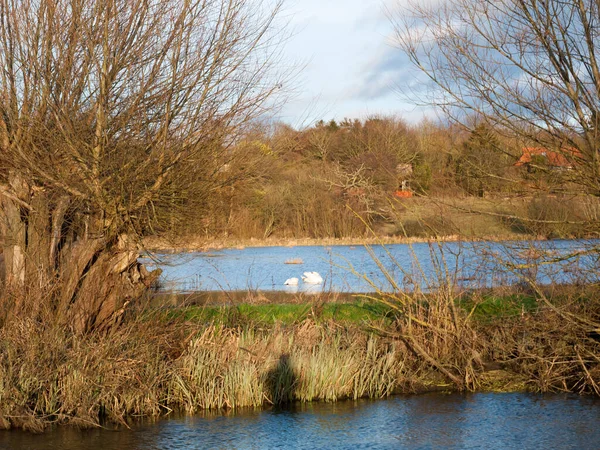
(554, 159)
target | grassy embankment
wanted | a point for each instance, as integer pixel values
(364, 310)
(251, 355)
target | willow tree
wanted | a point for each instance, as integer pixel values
(528, 68)
(103, 104)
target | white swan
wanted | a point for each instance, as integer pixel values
(312, 278)
(291, 282)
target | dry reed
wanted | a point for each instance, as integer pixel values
(51, 376)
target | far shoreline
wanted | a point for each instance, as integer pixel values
(164, 245)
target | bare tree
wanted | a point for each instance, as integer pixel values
(528, 67)
(104, 105)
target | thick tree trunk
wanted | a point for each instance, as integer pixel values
(98, 281)
(13, 247)
(114, 280)
(56, 263)
(37, 265)
(14, 237)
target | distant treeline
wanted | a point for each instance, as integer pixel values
(343, 179)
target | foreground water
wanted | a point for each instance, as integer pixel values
(361, 269)
(519, 420)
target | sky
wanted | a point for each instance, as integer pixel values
(350, 66)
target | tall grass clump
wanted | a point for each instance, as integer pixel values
(430, 323)
(232, 368)
(541, 338)
(50, 375)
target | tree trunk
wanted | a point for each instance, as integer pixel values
(14, 238)
(114, 280)
(37, 266)
(67, 265)
(14, 246)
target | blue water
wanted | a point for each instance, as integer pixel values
(456, 421)
(389, 268)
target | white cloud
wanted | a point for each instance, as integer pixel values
(350, 66)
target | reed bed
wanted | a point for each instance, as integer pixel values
(50, 376)
(152, 366)
(233, 368)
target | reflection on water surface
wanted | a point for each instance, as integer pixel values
(519, 421)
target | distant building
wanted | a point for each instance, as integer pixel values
(555, 160)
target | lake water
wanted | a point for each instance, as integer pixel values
(455, 421)
(362, 269)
